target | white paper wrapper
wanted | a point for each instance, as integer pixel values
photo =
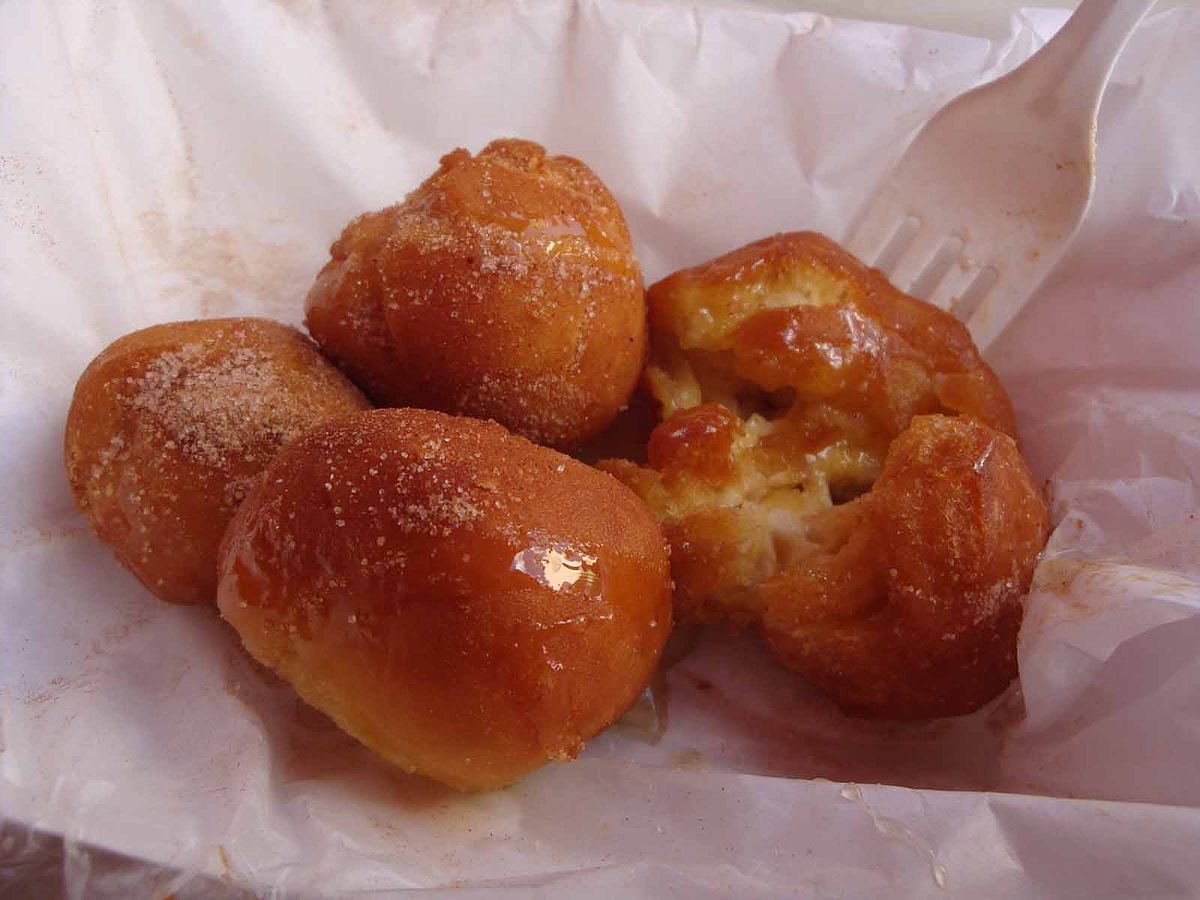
(162, 161)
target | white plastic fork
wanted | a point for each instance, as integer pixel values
(990, 192)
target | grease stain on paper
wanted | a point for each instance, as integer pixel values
(227, 271)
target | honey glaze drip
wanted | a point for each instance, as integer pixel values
(558, 567)
(646, 719)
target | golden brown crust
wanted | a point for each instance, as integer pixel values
(168, 427)
(504, 287)
(787, 373)
(795, 314)
(468, 604)
(916, 614)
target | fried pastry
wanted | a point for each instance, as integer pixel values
(816, 422)
(169, 426)
(466, 603)
(504, 287)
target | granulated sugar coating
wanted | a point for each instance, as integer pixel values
(169, 426)
(466, 603)
(504, 287)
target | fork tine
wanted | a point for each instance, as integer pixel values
(988, 306)
(982, 287)
(957, 280)
(916, 258)
(874, 231)
(895, 248)
(938, 268)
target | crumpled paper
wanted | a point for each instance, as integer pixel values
(163, 161)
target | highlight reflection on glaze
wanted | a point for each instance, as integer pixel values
(554, 567)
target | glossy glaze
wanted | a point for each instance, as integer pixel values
(466, 603)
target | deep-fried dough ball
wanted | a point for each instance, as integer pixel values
(504, 287)
(787, 372)
(170, 425)
(464, 602)
(911, 605)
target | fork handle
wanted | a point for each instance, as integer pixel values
(1074, 65)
